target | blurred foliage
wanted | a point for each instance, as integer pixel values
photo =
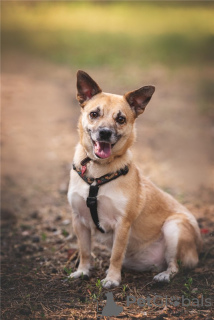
(206, 97)
(96, 34)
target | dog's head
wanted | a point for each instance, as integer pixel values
(106, 125)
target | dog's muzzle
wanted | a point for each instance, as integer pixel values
(105, 134)
(103, 140)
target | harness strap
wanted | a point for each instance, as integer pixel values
(92, 205)
(91, 201)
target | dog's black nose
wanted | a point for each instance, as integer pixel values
(105, 133)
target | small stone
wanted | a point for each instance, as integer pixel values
(25, 233)
(36, 239)
(52, 229)
(54, 270)
(66, 222)
(57, 232)
(34, 214)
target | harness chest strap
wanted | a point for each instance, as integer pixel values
(91, 201)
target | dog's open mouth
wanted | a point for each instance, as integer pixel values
(102, 149)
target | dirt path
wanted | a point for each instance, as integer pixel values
(39, 119)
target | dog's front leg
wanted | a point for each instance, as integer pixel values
(84, 243)
(121, 236)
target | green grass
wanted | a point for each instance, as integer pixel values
(87, 34)
(206, 97)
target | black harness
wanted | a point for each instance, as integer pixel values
(91, 201)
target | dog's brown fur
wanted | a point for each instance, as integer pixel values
(147, 228)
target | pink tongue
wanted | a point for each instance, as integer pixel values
(102, 149)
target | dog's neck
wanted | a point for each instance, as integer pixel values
(99, 167)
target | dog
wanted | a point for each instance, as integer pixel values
(145, 227)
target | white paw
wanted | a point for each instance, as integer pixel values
(79, 274)
(162, 277)
(109, 283)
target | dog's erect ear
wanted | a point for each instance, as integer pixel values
(138, 99)
(86, 87)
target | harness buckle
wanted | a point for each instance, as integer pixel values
(91, 202)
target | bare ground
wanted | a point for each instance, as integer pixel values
(39, 119)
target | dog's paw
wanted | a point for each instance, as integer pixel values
(162, 277)
(79, 274)
(109, 283)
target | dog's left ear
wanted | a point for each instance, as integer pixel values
(138, 99)
(86, 87)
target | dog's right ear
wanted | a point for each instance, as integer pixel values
(86, 87)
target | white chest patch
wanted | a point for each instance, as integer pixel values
(111, 202)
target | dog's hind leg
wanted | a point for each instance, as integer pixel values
(181, 244)
(171, 235)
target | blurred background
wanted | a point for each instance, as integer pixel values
(123, 46)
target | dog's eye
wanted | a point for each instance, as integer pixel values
(121, 120)
(94, 115)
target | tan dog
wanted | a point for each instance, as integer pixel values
(146, 228)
